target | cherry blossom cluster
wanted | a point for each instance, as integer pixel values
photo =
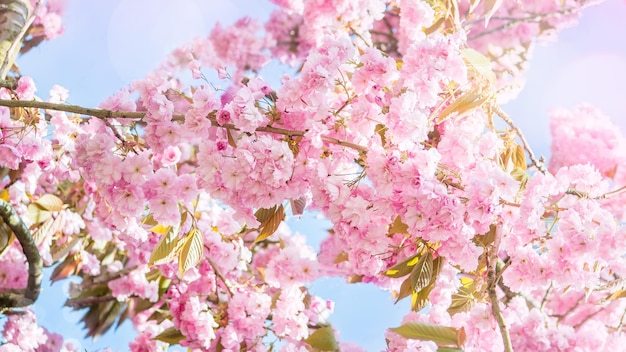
(170, 206)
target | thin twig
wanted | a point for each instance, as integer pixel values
(517, 20)
(114, 130)
(621, 321)
(589, 316)
(612, 193)
(508, 294)
(218, 273)
(560, 317)
(103, 279)
(545, 297)
(574, 192)
(506, 118)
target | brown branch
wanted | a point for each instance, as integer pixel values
(103, 279)
(621, 322)
(506, 118)
(88, 301)
(492, 277)
(27, 296)
(612, 193)
(10, 84)
(218, 273)
(105, 114)
(574, 192)
(75, 109)
(589, 316)
(545, 296)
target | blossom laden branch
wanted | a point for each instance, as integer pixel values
(27, 296)
(106, 114)
(75, 109)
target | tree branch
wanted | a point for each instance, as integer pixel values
(27, 296)
(219, 274)
(106, 114)
(8, 84)
(99, 113)
(88, 301)
(492, 279)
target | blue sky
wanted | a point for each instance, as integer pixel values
(107, 44)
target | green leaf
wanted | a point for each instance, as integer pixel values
(380, 129)
(100, 317)
(61, 251)
(403, 268)
(323, 339)
(463, 300)
(519, 157)
(449, 349)
(263, 214)
(66, 268)
(479, 62)
(468, 101)
(341, 257)
(486, 239)
(405, 290)
(422, 272)
(616, 295)
(521, 176)
(270, 226)
(166, 249)
(170, 335)
(191, 252)
(37, 214)
(419, 300)
(441, 335)
(50, 202)
(93, 291)
(398, 226)
(437, 265)
(298, 205)
(490, 7)
(160, 229)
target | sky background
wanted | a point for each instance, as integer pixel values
(107, 44)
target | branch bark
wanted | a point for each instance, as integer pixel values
(22, 297)
(105, 114)
(492, 279)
